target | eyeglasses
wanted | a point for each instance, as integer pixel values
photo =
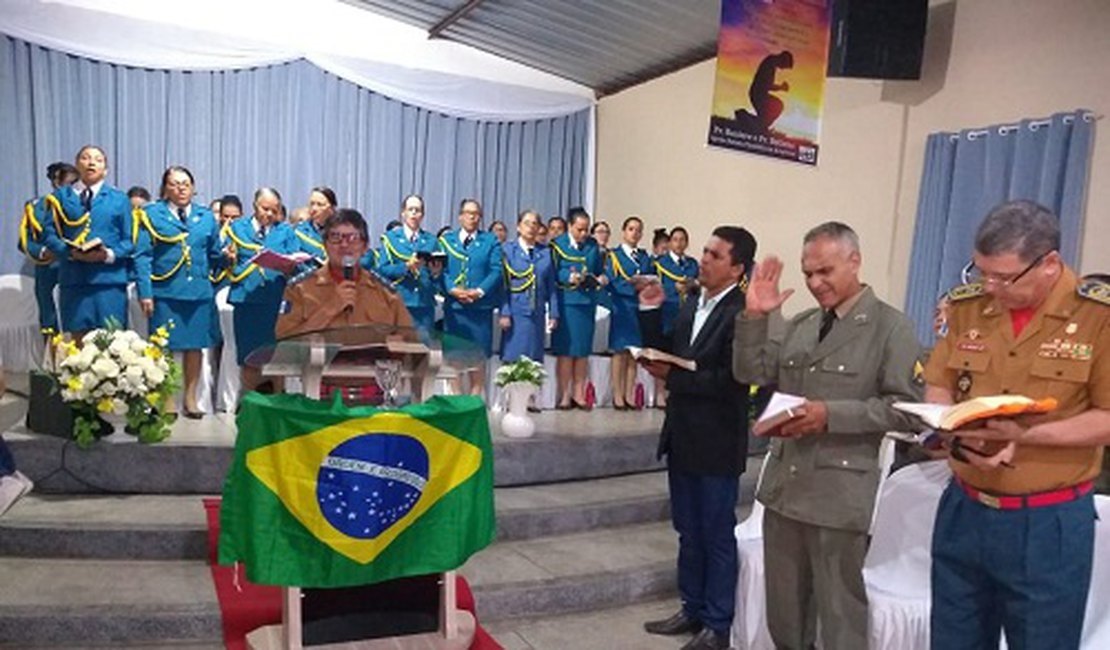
(1004, 282)
(344, 237)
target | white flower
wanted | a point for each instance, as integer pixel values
(118, 346)
(119, 407)
(105, 368)
(138, 345)
(155, 376)
(128, 357)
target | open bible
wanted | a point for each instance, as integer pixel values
(652, 354)
(953, 416)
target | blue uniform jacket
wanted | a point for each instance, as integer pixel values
(174, 259)
(586, 259)
(32, 236)
(670, 272)
(475, 267)
(249, 282)
(110, 220)
(310, 240)
(529, 283)
(417, 290)
(620, 268)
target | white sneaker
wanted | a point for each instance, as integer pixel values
(28, 484)
(11, 489)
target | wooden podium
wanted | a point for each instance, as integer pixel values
(419, 362)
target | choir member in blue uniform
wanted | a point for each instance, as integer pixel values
(32, 242)
(627, 267)
(499, 230)
(678, 273)
(138, 196)
(179, 242)
(94, 281)
(580, 269)
(530, 300)
(231, 208)
(256, 292)
(472, 281)
(600, 232)
(401, 261)
(310, 232)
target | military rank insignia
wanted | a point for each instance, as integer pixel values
(965, 292)
(1094, 290)
(1063, 349)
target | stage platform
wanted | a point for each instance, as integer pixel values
(110, 549)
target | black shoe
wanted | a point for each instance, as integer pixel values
(194, 415)
(535, 409)
(707, 639)
(677, 624)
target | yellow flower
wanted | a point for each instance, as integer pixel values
(153, 352)
(74, 384)
(104, 405)
(153, 399)
(162, 332)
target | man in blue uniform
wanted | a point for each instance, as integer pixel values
(93, 238)
(403, 263)
(471, 285)
(32, 243)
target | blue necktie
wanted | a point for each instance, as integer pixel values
(181, 214)
(86, 199)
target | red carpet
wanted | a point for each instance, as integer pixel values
(250, 606)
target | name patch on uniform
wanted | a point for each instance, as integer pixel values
(1063, 349)
(971, 346)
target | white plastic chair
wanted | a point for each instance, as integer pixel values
(897, 569)
(20, 339)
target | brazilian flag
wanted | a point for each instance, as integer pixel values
(322, 495)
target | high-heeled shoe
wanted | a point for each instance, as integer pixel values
(564, 407)
(580, 406)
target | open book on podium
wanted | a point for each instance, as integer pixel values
(652, 354)
(949, 417)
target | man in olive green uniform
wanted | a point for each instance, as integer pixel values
(851, 358)
(1014, 534)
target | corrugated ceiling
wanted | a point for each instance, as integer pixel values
(607, 45)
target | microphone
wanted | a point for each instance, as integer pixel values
(349, 267)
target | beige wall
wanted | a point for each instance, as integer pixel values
(988, 61)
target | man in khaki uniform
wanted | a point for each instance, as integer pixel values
(850, 358)
(1014, 534)
(340, 293)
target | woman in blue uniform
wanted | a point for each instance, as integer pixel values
(93, 281)
(678, 273)
(580, 269)
(32, 242)
(403, 262)
(471, 285)
(178, 245)
(627, 266)
(530, 300)
(310, 232)
(256, 292)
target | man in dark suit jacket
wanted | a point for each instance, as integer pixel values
(705, 437)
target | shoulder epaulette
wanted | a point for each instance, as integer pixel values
(1094, 290)
(965, 292)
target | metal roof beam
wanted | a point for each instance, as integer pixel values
(455, 16)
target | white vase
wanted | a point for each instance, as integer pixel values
(516, 423)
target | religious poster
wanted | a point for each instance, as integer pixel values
(770, 86)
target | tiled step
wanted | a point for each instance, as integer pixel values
(171, 527)
(69, 602)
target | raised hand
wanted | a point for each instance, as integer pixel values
(763, 295)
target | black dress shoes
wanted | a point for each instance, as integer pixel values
(707, 639)
(677, 624)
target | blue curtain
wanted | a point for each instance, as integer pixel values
(968, 173)
(292, 126)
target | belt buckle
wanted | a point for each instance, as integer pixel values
(989, 500)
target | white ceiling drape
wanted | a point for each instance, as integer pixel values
(378, 53)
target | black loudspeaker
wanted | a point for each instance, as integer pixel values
(877, 39)
(46, 412)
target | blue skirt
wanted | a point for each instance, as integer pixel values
(624, 323)
(670, 313)
(254, 324)
(192, 322)
(574, 337)
(46, 278)
(89, 306)
(524, 338)
(473, 324)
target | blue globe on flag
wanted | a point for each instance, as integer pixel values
(370, 481)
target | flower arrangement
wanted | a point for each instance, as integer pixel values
(113, 370)
(523, 369)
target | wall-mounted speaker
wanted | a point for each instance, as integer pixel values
(877, 39)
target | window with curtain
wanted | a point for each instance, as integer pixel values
(291, 126)
(968, 173)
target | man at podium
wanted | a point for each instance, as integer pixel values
(340, 293)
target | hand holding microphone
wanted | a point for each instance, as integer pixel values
(347, 289)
